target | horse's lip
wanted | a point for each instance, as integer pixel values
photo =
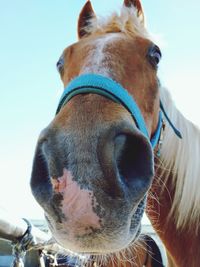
(90, 254)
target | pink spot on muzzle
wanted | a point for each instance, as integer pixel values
(59, 184)
(77, 205)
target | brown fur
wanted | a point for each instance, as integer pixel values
(182, 245)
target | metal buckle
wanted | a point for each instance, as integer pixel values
(160, 142)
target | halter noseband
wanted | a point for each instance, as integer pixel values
(101, 85)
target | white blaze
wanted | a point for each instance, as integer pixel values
(99, 60)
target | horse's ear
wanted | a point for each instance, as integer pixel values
(87, 13)
(138, 6)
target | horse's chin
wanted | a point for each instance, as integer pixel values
(105, 240)
(95, 245)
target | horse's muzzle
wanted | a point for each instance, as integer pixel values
(93, 189)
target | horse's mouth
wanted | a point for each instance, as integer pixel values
(93, 253)
(103, 241)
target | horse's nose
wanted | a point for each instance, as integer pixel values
(126, 158)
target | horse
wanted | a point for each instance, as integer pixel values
(118, 145)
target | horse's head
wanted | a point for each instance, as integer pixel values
(93, 166)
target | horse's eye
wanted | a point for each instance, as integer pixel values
(154, 55)
(60, 64)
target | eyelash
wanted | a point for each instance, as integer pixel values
(154, 55)
(60, 64)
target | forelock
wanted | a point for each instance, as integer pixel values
(127, 22)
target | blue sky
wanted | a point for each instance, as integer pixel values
(33, 35)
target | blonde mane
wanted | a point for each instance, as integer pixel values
(181, 158)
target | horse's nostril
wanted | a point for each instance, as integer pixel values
(126, 159)
(133, 157)
(119, 145)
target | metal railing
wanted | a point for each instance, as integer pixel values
(25, 237)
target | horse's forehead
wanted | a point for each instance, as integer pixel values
(100, 43)
(107, 54)
(108, 38)
(99, 58)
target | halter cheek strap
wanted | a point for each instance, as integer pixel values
(98, 84)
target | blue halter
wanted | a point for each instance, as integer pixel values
(98, 84)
